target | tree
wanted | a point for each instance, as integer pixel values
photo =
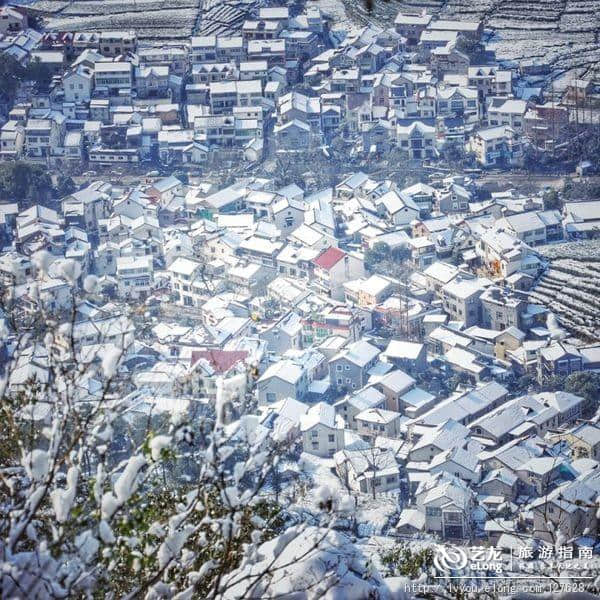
(403, 560)
(400, 254)
(376, 255)
(473, 48)
(585, 384)
(23, 180)
(553, 384)
(39, 73)
(12, 74)
(552, 200)
(524, 383)
(178, 506)
(64, 186)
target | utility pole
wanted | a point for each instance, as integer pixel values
(553, 109)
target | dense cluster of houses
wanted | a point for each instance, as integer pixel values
(351, 362)
(114, 100)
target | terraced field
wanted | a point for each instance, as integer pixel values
(569, 287)
(562, 33)
(565, 33)
(153, 20)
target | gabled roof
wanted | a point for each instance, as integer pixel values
(286, 370)
(447, 435)
(466, 459)
(220, 360)
(329, 258)
(319, 414)
(359, 353)
(403, 349)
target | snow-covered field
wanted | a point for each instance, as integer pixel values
(561, 33)
(154, 20)
(569, 286)
(584, 249)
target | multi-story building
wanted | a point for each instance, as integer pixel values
(558, 359)
(490, 81)
(12, 19)
(152, 81)
(134, 276)
(461, 299)
(215, 49)
(417, 139)
(78, 84)
(509, 112)
(333, 267)
(41, 136)
(349, 368)
(174, 57)
(500, 309)
(497, 146)
(411, 26)
(116, 43)
(113, 76)
(322, 430)
(12, 139)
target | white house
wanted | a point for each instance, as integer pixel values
(496, 145)
(78, 84)
(370, 471)
(459, 462)
(322, 430)
(135, 276)
(333, 267)
(283, 379)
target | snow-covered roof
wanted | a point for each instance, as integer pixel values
(287, 370)
(360, 353)
(397, 381)
(319, 414)
(403, 350)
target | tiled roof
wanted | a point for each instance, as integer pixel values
(220, 360)
(329, 258)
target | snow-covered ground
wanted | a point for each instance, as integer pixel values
(569, 286)
(372, 514)
(156, 20)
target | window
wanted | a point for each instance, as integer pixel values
(271, 397)
(453, 517)
(331, 438)
(433, 511)
(390, 479)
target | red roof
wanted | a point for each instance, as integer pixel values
(220, 360)
(329, 258)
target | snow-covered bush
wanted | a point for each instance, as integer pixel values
(97, 502)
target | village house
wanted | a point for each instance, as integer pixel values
(369, 471)
(322, 430)
(349, 368)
